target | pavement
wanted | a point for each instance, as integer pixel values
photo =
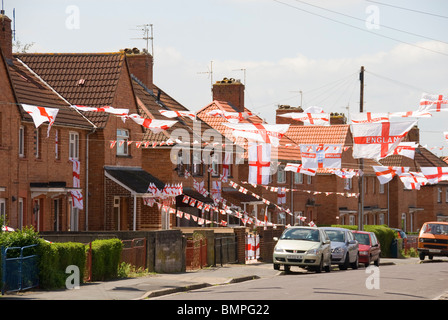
(155, 285)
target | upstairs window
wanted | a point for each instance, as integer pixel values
(122, 142)
(73, 145)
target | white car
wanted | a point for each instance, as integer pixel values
(306, 247)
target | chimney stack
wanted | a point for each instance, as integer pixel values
(5, 35)
(140, 65)
(231, 91)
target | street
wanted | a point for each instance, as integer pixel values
(407, 281)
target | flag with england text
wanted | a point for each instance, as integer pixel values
(377, 140)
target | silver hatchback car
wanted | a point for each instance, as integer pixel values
(344, 247)
(306, 247)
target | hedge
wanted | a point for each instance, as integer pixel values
(54, 258)
(384, 234)
(106, 255)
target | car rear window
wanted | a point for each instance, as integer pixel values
(300, 234)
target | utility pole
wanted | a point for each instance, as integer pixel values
(361, 161)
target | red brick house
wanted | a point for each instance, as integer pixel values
(36, 176)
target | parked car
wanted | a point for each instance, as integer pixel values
(369, 247)
(433, 240)
(344, 247)
(306, 247)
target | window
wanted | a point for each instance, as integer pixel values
(73, 145)
(298, 178)
(308, 179)
(3, 211)
(122, 142)
(446, 195)
(281, 174)
(22, 142)
(439, 195)
(381, 188)
(197, 164)
(57, 147)
(20, 212)
(215, 164)
(348, 184)
(37, 143)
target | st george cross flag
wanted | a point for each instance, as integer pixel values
(41, 115)
(314, 109)
(267, 133)
(108, 109)
(259, 163)
(154, 125)
(377, 140)
(435, 174)
(433, 102)
(232, 117)
(445, 135)
(369, 117)
(413, 180)
(174, 114)
(295, 167)
(319, 119)
(281, 195)
(386, 174)
(411, 114)
(316, 156)
(226, 166)
(406, 149)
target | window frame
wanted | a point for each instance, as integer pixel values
(73, 142)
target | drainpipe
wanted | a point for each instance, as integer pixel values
(87, 179)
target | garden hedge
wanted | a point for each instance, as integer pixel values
(106, 256)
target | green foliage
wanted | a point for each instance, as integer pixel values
(55, 258)
(384, 234)
(106, 255)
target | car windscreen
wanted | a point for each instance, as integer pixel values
(435, 228)
(336, 235)
(300, 234)
(362, 238)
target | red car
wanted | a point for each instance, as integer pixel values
(369, 247)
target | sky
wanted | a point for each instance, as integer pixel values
(286, 52)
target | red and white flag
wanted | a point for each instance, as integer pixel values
(281, 195)
(266, 133)
(174, 114)
(445, 135)
(232, 117)
(77, 200)
(369, 117)
(346, 173)
(435, 174)
(41, 115)
(108, 109)
(406, 149)
(411, 114)
(413, 180)
(314, 109)
(377, 140)
(319, 119)
(154, 125)
(295, 167)
(316, 156)
(433, 102)
(386, 174)
(259, 163)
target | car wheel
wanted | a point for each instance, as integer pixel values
(321, 265)
(287, 268)
(421, 255)
(276, 266)
(377, 262)
(355, 264)
(328, 266)
(346, 263)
